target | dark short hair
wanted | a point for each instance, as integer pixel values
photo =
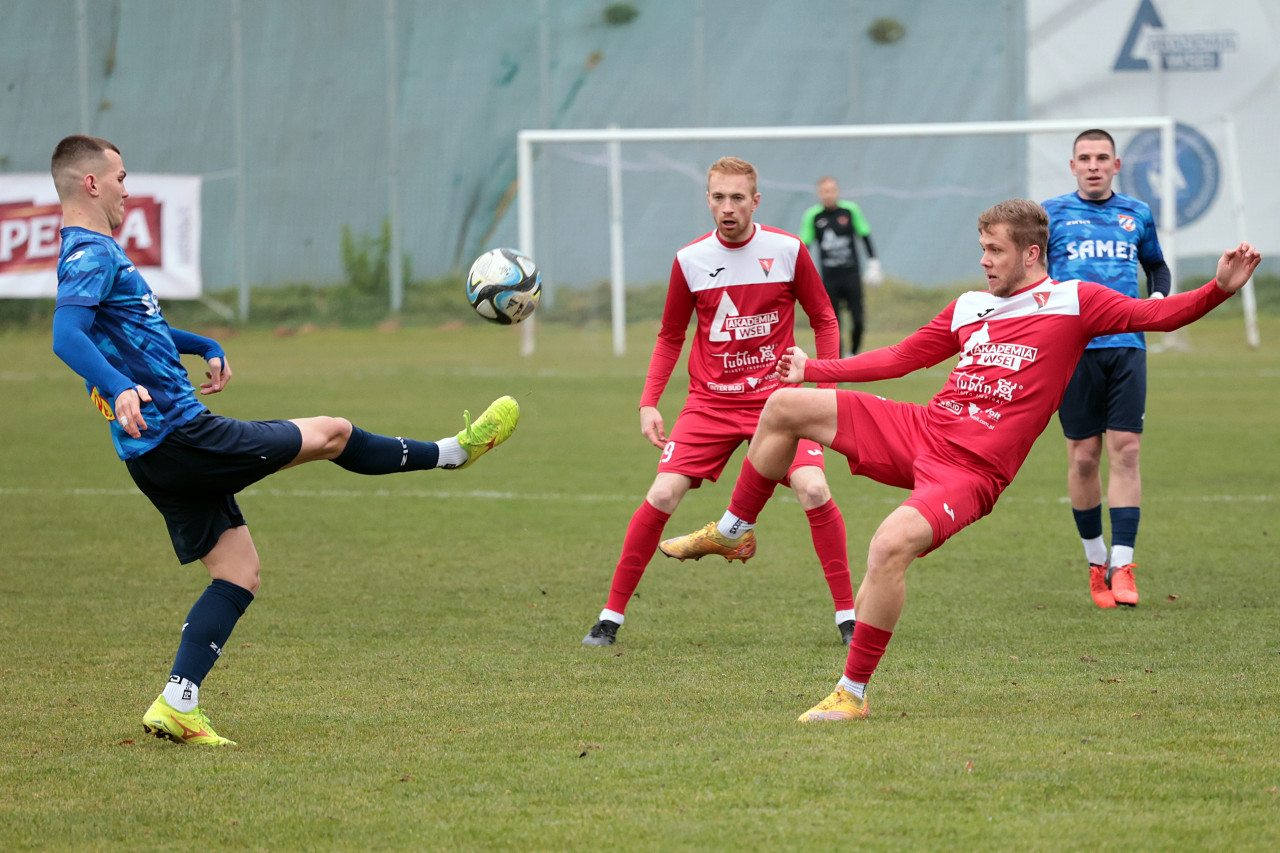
(71, 152)
(1028, 223)
(75, 148)
(1093, 133)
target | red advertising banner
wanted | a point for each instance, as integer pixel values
(160, 234)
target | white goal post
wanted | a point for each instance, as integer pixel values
(612, 138)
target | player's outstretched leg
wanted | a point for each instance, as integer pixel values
(486, 432)
(193, 726)
(709, 540)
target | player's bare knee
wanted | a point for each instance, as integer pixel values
(1124, 453)
(811, 493)
(663, 497)
(339, 430)
(781, 412)
(890, 553)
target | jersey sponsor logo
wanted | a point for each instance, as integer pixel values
(105, 408)
(984, 312)
(951, 406)
(817, 452)
(754, 326)
(149, 301)
(976, 413)
(1128, 223)
(717, 272)
(766, 264)
(1121, 250)
(946, 507)
(977, 385)
(734, 388)
(981, 352)
(729, 325)
(736, 362)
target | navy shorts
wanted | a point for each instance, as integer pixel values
(1108, 391)
(193, 475)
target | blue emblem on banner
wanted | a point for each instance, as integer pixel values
(1197, 179)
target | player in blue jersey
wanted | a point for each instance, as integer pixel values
(1096, 234)
(830, 229)
(190, 463)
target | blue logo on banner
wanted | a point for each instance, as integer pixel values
(1197, 175)
(1178, 50)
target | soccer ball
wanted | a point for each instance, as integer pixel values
(504, 285)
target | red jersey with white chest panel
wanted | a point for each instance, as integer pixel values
(1017, 354)
(744, 295)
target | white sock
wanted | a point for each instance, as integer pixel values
(843, 616)
(451, 453)
(857, 688)
(182, 694)
(1095, 551)
(1121, 555)
(612, 616)
(733, 527)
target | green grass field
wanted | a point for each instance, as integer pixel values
(410, 676)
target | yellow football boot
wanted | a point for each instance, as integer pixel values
(193, 726)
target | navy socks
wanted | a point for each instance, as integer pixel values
(208, 626)
(367, 453)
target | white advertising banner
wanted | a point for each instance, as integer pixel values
(1213, 67)
(160, 234)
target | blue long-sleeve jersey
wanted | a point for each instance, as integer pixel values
(1106, 241)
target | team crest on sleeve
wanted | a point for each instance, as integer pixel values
(1128, 223)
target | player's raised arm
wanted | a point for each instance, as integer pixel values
(1236, 267)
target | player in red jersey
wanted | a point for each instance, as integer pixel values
(742, 281)
(1018, 342)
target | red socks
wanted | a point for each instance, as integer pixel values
(643, 535)
(826, 525)
(865, 651)
(750, 493)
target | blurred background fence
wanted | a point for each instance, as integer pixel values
(306, 118)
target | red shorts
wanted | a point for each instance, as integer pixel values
(702, 440)
(891, 443)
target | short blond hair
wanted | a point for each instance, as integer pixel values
(733, 166)
(1028, 223)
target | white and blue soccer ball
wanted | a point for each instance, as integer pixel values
(504, 285)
